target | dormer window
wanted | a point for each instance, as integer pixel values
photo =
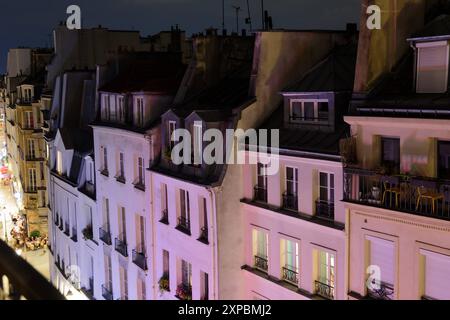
(432, 67)
(121, 108)
(140, 112)
(59, 162)
(106, 108)
(308, 111)
(27, 94)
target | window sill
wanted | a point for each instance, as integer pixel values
(104, 173)
(139, 186)
(183, 230)
(164, 221)
(120, 179)
(203, 240)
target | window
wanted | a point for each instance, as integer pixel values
(436, 275)
(186, 274)
(184, 218)
(444, 159)
(29, 121)
(326, 187)
(140, 112)
(325, 284)
(108, 273)
(106, 215)
(31, 149)
(171, 127)
(121, 109)
(260, 249)
(123, 283)
(32, 179)
(106, 108)
(290, 199)
(59, 162)
(308, 110)
(90, 172)
(140, 234)
(141, 290)
(105, 161)
(122, 225)
(261, 187)
(197, 143)
(381, 253)
(166, 265)
(204, 286)
(390, 157)
(27, 95)
(203, 215)
(289, 261)
(141, 172)
(432, 67)
(121, 165)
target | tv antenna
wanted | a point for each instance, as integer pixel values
(249, 17)
(223, 16)
(237, 17)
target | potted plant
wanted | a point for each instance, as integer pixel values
(184, 292)
(164, 283)
(87, 233)
(35, 234)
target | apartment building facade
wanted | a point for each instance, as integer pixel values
(396, 187)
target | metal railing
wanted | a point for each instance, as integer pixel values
(261, 263)
(67, 229)
(290, 201)
(184, 224)
(22, 280)
(325, 209)
(140, 259)
(381, 291)
(107, 293)
(260, 194)
(289, 275)
(121, 246)
(165, 216)
(74, 235)
(324, 290)
(204, 234)
(105, 236)
(410, 194)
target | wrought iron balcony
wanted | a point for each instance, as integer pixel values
(325, 209)
(121, 246)
(324, 290)
(139, 184)
(105, 236)
(104, 172)
(74, 235)
(66, 229)
(140, 259)
(204, 235)
(290, 201)
(164, 216)
(423, 196)
(24, 281)
(107, 292)
(184, 224)
(261, 263)
(260, 194)
(120, 178)
(89, 289)
(381, 291)
(289, 275)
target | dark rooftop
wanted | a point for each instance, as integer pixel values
(157, 74)
(335, 73)
(436, 28)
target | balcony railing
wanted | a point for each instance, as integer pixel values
(261, 263)
(324, 290)
(56, 220)
(140, 259)
(289, 275)
(203, 235)
(74, 235)
(24, 281)
(139, 184)
(325, 209)
(417, 195)
(184, 224)
(164, 216)
(89, 289)
(120, 178)
(66, 229)
(381, 291)
(105, 236)
(260, 194)
(290, 201)
(107, 293)
(121, 246)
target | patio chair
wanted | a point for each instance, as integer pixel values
(423, 193)
(395, 190)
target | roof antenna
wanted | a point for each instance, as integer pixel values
(223, 16)
(262, 15)
(237, 18)
(248, 20)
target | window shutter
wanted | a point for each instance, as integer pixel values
(437, 277)
(432, 66)
(382, 255)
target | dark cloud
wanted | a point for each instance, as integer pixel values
(30, 22)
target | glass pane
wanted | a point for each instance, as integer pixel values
(309, 110)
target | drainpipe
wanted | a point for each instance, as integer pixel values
(214, 192)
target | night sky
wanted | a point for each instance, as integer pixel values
(29, 23)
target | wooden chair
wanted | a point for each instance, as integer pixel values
(423, 193)
(396, 191)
